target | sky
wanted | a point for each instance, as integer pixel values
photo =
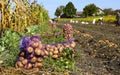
(51, 5)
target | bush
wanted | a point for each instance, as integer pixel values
(60, 64)
(10, 47)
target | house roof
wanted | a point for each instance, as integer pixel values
(79, 12)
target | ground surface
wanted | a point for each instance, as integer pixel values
(97, 50)
(98, 58)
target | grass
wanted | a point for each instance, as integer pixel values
(91, 55)
(89, 19)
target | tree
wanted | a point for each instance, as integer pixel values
(90, 9)
(115, 11)
(70, 10)
(59, 11)
(108, 11)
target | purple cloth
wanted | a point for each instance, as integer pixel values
(24, 43)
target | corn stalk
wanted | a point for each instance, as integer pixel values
(22, 16)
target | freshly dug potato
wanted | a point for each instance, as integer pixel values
(73, 44)
(35, 39)
(55, 48)
(55, 52)
(66, 45)
(42, 53)
(61, 49)
(46, 52)
(37, 51)
(50, 53)
(21, 58)
(31, 55)
(28, 66)
(58, 45)
(39, 59)
(30, 50)
(40, 46)
(22, 54)
(38, 65)
(47, 46)
(51, 50)
(33, 60)
(24, 61)
(34, 44)
(55, 56)
(19, 64)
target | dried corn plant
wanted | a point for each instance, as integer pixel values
(24, 14)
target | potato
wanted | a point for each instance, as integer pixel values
(55, 48)
(28, 66)
(34, 44)
(39, 59)
(16, 65)
(31, 55)
(47, 46)
(46, 52)
(35, 40)
(66, 45)
(40, 46)
(33, 60)
(22, 54)
(19, 64)
(51, 53)
(61, 49)
(42, 53)
(73, 44)
(55, 52)
(38, 65)
(30, 50)
(45, 56)
(55, 56)
(24, 61)
(52, 47)
(51, 50)
(37, 51)
(58, 45)
(21, 58)
(70, 48)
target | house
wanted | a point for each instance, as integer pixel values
(78, 14)
(99, 12)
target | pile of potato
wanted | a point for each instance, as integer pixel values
(31, 55)
(68, 31)
(33, 52)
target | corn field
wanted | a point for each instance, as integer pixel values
(18, 14)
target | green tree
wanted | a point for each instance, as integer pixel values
(115, 11)
(90, 9)
(70, 10)
(59, 11)
(108, 11)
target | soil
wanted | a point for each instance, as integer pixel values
(97, 51)
(101, 59)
